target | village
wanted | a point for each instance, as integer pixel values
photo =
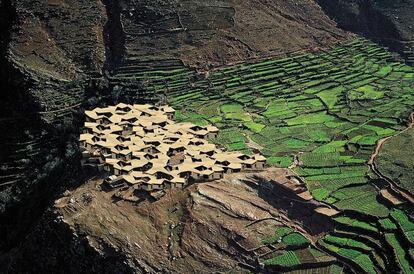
(143, 149)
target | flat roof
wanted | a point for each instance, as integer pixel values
(130, 129)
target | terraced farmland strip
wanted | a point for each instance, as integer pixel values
(357, 257)
(400, 253)
(287, 259)
(320, 114)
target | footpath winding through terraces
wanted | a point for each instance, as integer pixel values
(371, 162)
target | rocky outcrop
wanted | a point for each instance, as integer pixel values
(59, 38)
(385, 21)
(208, 227)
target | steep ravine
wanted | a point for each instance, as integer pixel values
(38, 150)
(114, 35)
(60, 248)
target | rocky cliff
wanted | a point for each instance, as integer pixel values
(204, 33)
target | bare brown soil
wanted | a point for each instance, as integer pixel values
(390, 197)
(208, 226)
(327, 211)
(246, 30)
(65, 39)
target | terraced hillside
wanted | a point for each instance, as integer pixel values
(321, 115)
(208, 33)
(56, 54)
(395, 160)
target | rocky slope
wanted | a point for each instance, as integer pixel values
(204, 33)
(216, 226)
(387, 21)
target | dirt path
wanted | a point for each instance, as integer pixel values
(251, 144)
(382, 141)
(296, 161)
(61, 109)
(371, 162)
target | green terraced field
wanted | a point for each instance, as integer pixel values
(405, 224)
(400, 253)
(279, 234)
(359, 258)
(309, 255)
(330, 107)
(396, 161)
(345, 242)
(327, 110)
(287, 259)
(361, 225)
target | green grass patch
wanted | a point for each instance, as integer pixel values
(280, 161)
(231, 108)
(278, 235)
(255, 127)
(367, 92)
(295, 239)
(320, 194)
(346, 242)
(330, 96)
(356, 223)
(237, 146)
(312, 118)
(384, 71)
(387, 224)
(287, 259)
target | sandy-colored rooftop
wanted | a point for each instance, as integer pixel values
(144, 148)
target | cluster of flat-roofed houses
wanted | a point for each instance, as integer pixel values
(142, 147)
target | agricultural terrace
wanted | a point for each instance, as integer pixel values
(291, 249)
(321, 115)
(396, 161)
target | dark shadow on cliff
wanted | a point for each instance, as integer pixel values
(114, 35)
(35, 159)
(390, 23)
(296, 208)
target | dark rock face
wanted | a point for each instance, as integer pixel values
(59, 38)
(386, 21)
(48, 50)
(61, 249)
